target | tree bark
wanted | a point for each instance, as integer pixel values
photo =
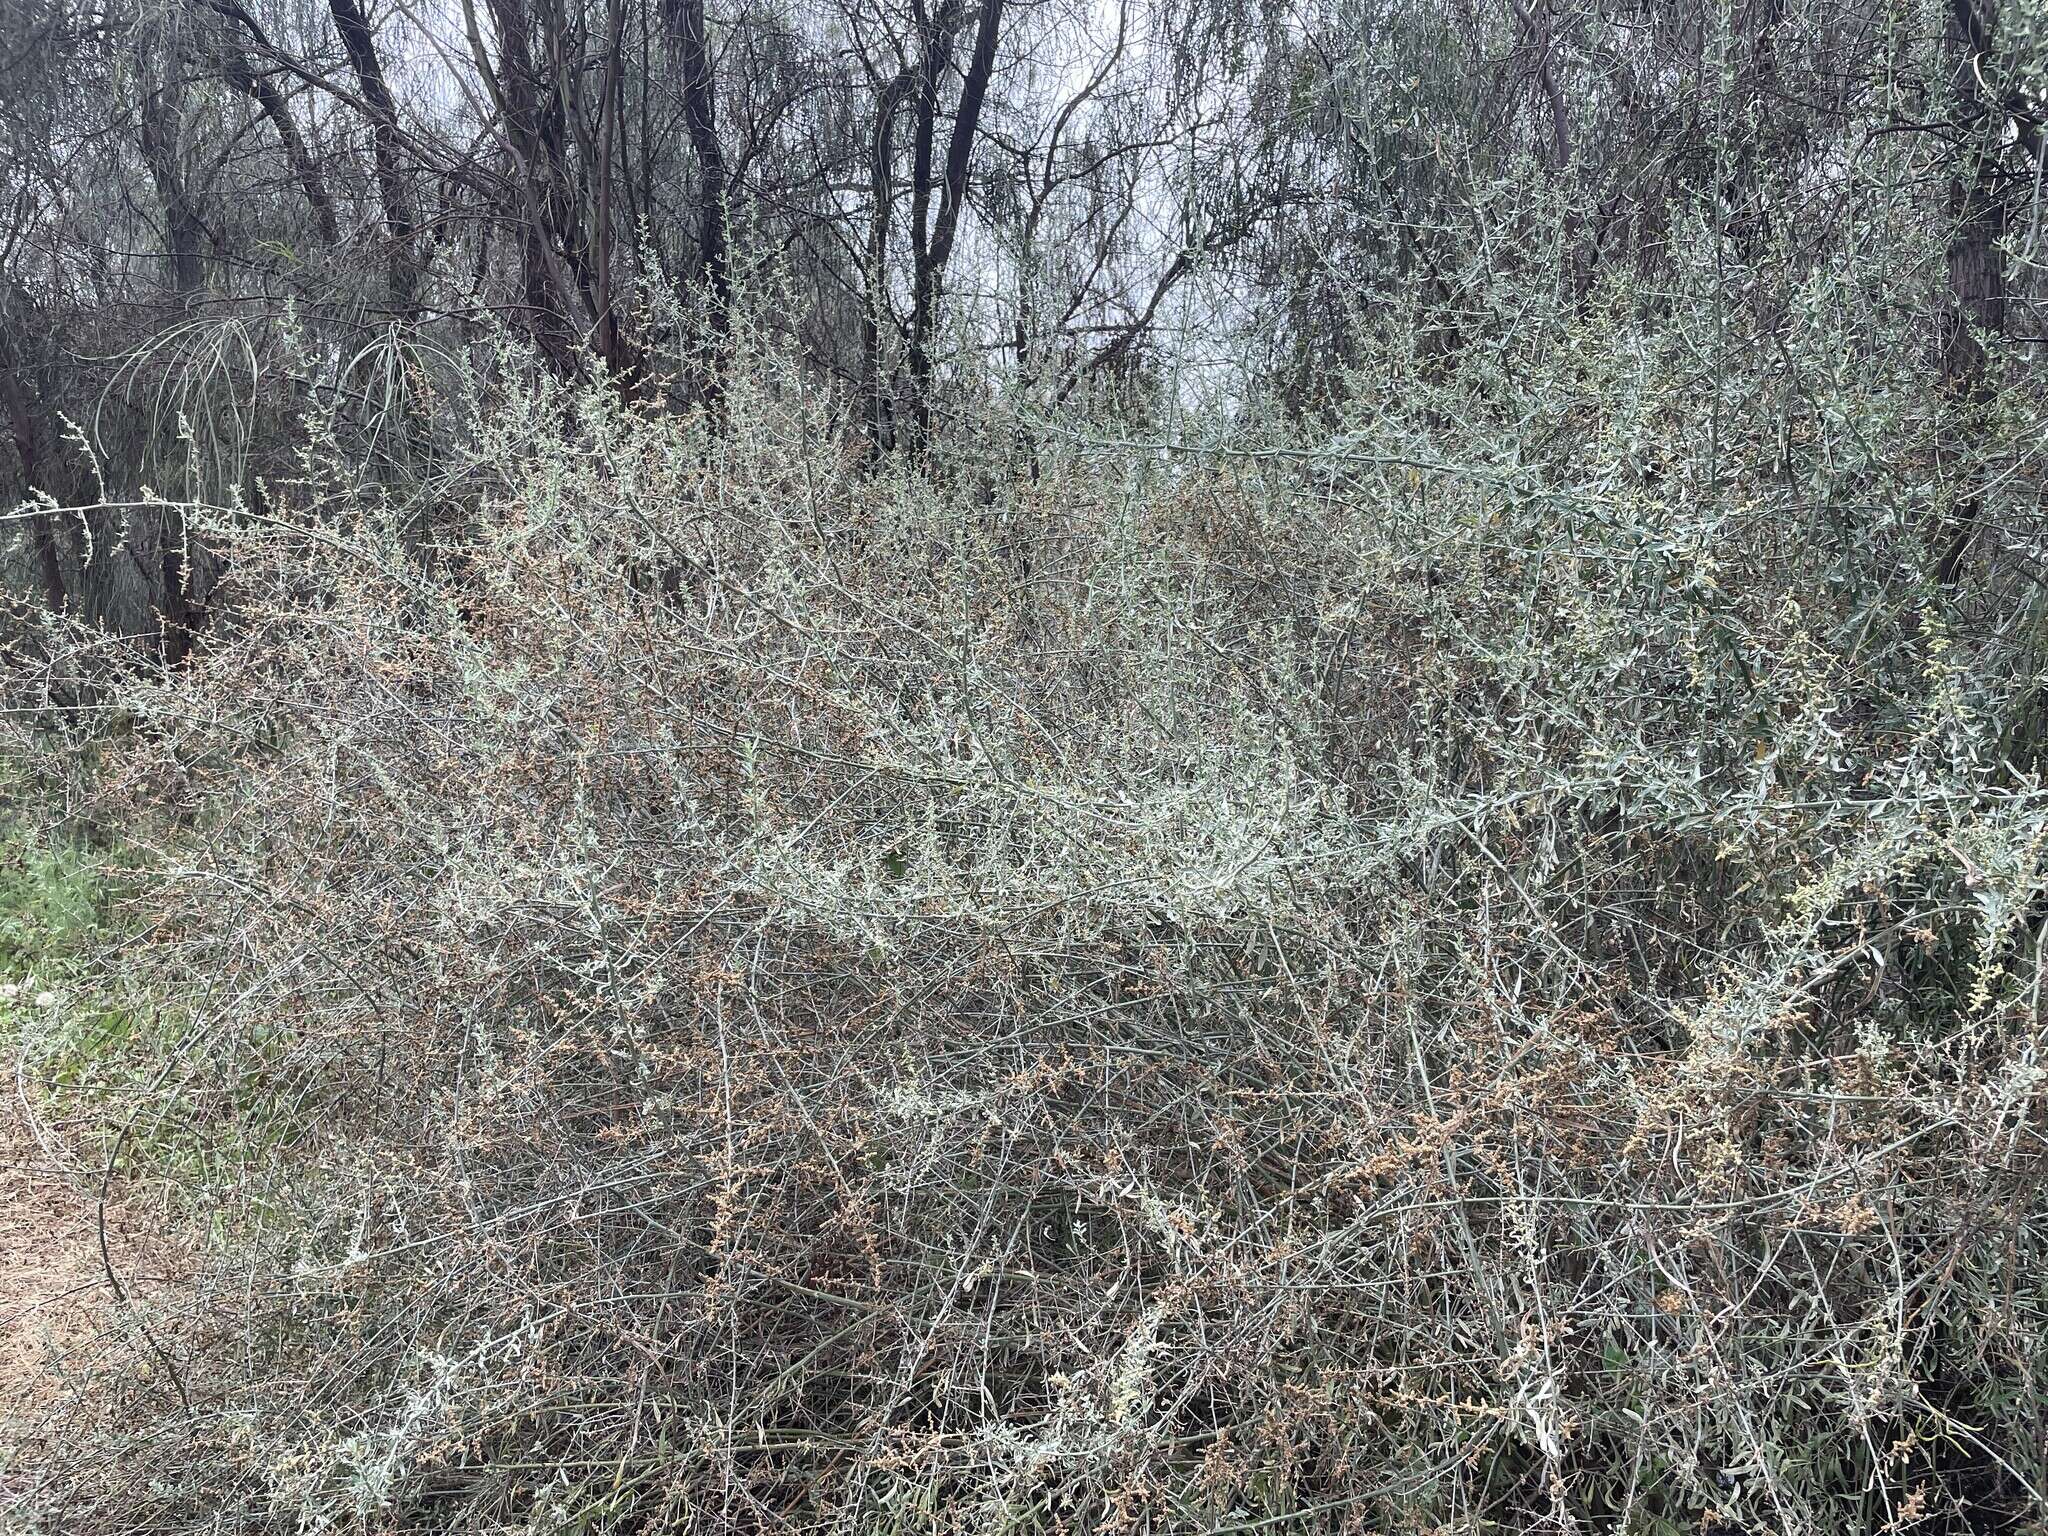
(690, 37)
(352, 26)
(1978, 210)
(270, 101)
(554, 269)
(882, 192)
(184, 230)
(934, 240)
(184, 235)
(21, 421)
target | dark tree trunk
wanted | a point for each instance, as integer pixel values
(692, 42)
(184, 230)
(352, 26)
(1976, 268)
(611, 335)
(561, 255)
(184, 234)
(21, 421)
(1542, 44)
(934, 249)
(270, 101)
(882, 191)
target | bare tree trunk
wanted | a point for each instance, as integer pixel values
(352, 26)
(270, 101)
(1542, 43)
(691, 39)
(184, 230)
(934, 249)
(611, 335)
(937, 55)
(21, 420)
(1976, 269)
(184, 235)
(882, 191)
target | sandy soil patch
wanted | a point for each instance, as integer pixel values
(55, 1301)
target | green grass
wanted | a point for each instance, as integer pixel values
(52, 903)
(81, 1040)
(98, 1051)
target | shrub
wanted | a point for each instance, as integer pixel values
(1476, 970)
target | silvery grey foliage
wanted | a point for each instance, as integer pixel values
(1476, 961)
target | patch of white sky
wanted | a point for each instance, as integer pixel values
(1075, 79)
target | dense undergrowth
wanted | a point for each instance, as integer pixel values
(1470, 966)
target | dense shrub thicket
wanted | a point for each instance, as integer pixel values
(1475, 965)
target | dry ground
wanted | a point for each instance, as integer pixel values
(55, 1302)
